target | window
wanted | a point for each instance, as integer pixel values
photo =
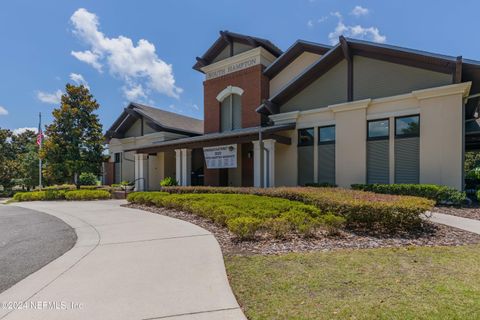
(305, 137)
(378, 129)
(117, 157)
(326, 134)
(231, 113)
(407, 126)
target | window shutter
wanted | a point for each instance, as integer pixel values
(326, 163)
(378, 161)
(225, 114)
(237, 111)
(407, 160)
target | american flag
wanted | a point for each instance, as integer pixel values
(40, 132)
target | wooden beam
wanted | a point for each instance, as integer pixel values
(272, 107)
(457, 75)
(279, 138)
(348, 56)
(202, 61)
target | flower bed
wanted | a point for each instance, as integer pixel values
(62, 195)
(380, 211)
(245, 214)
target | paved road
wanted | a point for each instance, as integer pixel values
(127, 264)
(28, 241)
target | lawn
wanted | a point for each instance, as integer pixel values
(406, 283)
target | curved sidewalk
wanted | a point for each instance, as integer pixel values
(126, 264)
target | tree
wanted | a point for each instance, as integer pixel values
(8, 165)
(26, 152)
(472, 160)
(74, 140)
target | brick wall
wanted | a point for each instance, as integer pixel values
(255, 86)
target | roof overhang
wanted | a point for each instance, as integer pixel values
(222, 138)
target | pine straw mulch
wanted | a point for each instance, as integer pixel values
(431, 235)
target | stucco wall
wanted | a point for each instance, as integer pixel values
(441, 143)
(291, 71)
(286, 161)
(375, 78)
(329, 89)
(135, 130)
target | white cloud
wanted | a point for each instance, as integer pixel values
(135, 64)
(359, 11)
(50, 98)
(310, 23)
(195, 106)
(3, 111)
(79, 79)
(355, 31)
(134, 92)
(88, 57)
(22, 130)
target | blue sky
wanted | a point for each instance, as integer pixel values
(144, 50)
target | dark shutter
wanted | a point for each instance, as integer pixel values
(305, 165)
(378, 161)
(407, 160)
(237, 111)
(326, 163)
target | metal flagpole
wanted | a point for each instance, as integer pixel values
(39, 141)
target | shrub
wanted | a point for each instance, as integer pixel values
(244, 227)
(389, 212)
(440, 194)
(278, 227)
(88, 179)
(168, 182)
(320, 185)
(61, 187)
(333, 223)
(87, 195)
(48, 195)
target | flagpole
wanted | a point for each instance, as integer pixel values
(39, 148)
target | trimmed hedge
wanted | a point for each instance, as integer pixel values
(48, 195)
(440, 194)
(245, 214)
(359, 208)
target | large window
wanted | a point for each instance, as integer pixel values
(305, 137)
(378, 129)
(231, 113)
(326, 134)
(407, 126)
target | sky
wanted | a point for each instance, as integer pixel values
(144, 50)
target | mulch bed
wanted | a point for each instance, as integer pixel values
(431, 235)
(472, 212)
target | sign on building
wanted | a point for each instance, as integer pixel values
(221, 156)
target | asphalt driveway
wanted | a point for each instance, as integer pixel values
(28, 241)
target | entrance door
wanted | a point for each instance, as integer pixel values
(247, 165)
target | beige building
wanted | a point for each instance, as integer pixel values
(357, 112)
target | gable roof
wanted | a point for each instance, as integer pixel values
(227, 37)
(461, 70)
(292, 53)
(158, 119)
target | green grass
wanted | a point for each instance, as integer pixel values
(406, 283)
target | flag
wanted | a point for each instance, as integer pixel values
(40, 133)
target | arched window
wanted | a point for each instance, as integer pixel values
(230, 108)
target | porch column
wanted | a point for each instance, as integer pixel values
(183, 161)
(141, 171)
(268, 163)
(186, 167)
(178, 165)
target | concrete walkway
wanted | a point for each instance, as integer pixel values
(456, 222)
(126, 264)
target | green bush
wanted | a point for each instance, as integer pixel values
(168, 182)
(321, 185)
(277, 216)
(244, 227)
(333, 224)
(48, 195)
(440, 194)
(362, 209)
(61, 187)
(88, 179)
(87, 195)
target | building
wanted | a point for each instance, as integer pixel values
(356, 112)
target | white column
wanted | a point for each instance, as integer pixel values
(256, 164)
(178, 165)
(141, 171)
(268, 163)
(269, 160)
(186, 167)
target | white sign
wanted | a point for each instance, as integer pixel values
(221, 156)
(233, 67)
